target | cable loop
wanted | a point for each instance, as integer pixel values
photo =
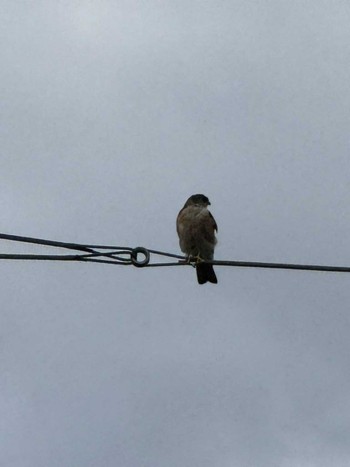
(139, 263)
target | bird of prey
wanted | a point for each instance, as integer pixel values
(196, 229)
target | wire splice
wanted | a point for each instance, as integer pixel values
(139, 256)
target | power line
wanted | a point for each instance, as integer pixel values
(139, 256)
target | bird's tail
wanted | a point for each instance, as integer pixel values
(206, 273)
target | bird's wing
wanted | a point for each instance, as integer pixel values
(213, 221)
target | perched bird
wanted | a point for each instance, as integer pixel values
(196, 229)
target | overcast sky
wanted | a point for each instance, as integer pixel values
(113, 113)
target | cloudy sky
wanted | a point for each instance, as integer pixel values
(113, 113)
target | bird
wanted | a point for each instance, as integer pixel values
(196, 229)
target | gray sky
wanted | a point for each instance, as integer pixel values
(113, 113)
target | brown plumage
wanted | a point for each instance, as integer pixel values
(196, 229)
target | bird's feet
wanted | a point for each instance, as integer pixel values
(192, 260)
(188, 260)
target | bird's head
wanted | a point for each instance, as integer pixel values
(199, 200)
